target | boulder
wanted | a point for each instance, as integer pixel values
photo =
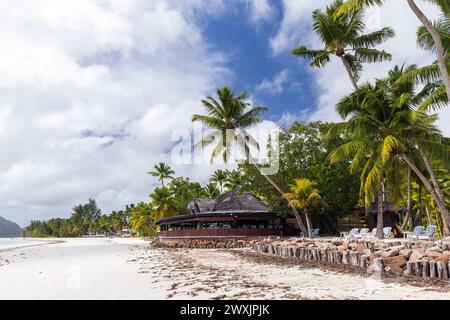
(435, 255)
(360, 248)
(406, 253)
(396, 263)
(346, 245)
(392, 252)
(416, 255)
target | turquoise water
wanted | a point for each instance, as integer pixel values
(11, 242)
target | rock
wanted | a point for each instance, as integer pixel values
(416, 255)
(360, 248)
(406, 253)
(435, 255)
(345, 245)
(390, 253)
(396, 264)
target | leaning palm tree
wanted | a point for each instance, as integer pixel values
(344, 37)
(352, 5)
(219, 178)
(304, 194)
(383, 125)
(229, 118)
(162, 171)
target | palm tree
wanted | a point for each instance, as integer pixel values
(343, 36)
(234, 178)
(229, 117)
(352, 5)
(384, 128)
(304, 194)
(210, 191)
(219, 178)
(162, 171)
(141, 219)
(162, 203)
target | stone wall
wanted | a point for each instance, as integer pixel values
(423, 259)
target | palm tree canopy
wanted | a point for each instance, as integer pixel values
(351, 5)
(162, 171)
(162, 203)
(344, 37)
(304, 193)
(382, 123)
(219, 178)
(228, 117)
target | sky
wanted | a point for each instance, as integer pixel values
(92, 92)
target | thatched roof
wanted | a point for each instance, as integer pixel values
(230, 201)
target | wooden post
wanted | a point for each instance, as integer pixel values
(425, 268)
(410, 268)
(433, 269)
(378, 265)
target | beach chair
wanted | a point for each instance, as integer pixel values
(387, 232)
(315, 233)
(429, 233)
(351, 234)
(362, 233)
(417, 231)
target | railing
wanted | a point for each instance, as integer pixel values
(229, 233)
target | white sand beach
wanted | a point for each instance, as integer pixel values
(129, 269)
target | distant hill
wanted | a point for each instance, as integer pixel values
(9, 229)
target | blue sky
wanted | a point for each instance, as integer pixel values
(252, 60)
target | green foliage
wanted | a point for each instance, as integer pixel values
(343, 36)
(303, 153)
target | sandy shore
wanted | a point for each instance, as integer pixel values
(129, 269)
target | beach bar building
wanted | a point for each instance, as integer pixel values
(231, 215)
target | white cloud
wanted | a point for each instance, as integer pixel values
(89, 95)
(274, 86)
(260, 11)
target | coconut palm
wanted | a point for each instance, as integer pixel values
(162, 203)
(304, 194)
(343, 37)
(229, 118)
(162, 171)
(219, 178)
(352, 5)
(385, 128)
(210, 191)
(234, 178)
(141, 219)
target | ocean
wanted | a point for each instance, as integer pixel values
(7, 242)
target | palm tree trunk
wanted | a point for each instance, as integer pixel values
(409, 202)
(278, 188)
(428, 215)
(436, 186)
(308, 224)
(380, 215)
(431, 190)
(349, 71)
(437, 43)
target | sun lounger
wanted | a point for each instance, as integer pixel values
(315, 233)
(363, 233)
(418, 231)
(429, 233)
(351, 234)
(387, 232)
